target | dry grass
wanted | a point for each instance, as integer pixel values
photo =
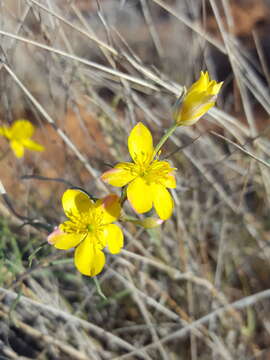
(198, 287)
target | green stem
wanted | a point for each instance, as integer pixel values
(164, 138)
(100, 292)
(123, 197)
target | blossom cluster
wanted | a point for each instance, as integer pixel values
(144, 181)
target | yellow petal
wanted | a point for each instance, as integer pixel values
(163, 201)
(113, 237)
(216, 87)
(89, 259)
(21, 129)
(200, 85)
(5, 131)
(194, 107)
(64, 241)
(17, 148)
(32, 145)
(161, 172)
(194, 114)
(76, 201)
(169, 181)
(139, 195)
(109, 208)
(51, 236)
(140, 144)
(195, 99)
(120, 175)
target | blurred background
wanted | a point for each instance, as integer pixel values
(84, 72)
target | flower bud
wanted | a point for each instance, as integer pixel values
(199, 98)
(149, 223)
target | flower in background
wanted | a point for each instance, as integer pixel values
(199, 98)
(147, 177)
(89, 228)
(19, 135)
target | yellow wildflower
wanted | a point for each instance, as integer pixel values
(147, 177)
(200, 97)
(19, 134)
(89, 229)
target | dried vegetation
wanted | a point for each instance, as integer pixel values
(84, 72)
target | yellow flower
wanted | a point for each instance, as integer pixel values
(200, 97)
(147, 178)
(19, 134)
(89, 229)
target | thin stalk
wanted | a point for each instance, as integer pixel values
(164, 138)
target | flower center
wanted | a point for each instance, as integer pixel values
(90, 227)
(83, 223)
(154, 171)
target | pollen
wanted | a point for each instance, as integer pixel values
(90, 227)
(155, 171)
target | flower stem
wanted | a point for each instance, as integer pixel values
(99, 291)
(164, 138)
(123, 197)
